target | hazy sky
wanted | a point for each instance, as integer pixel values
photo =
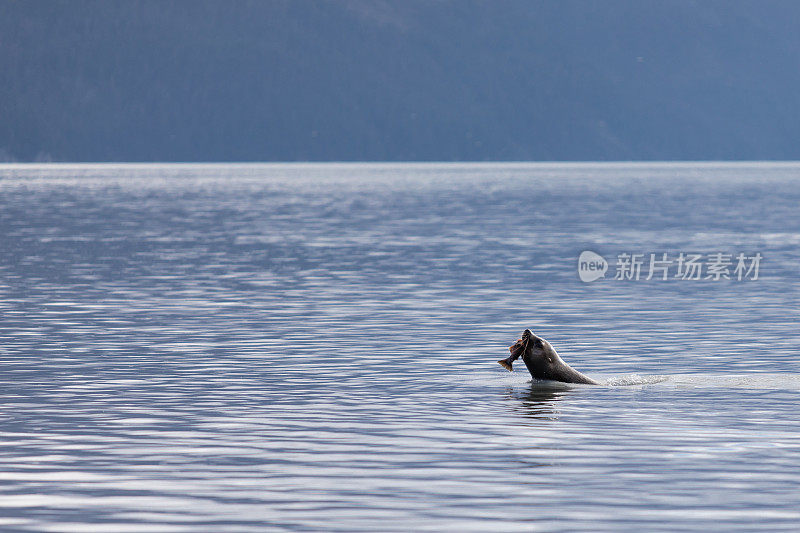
(398, 80)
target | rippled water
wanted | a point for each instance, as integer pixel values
(313, 347)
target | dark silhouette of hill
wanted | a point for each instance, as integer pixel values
(401, 80)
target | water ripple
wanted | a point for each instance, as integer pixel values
(312, 347)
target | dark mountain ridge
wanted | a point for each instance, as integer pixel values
(403, 80)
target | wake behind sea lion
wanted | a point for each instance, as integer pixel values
(543, 361)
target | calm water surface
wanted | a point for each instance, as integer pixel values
(313, 347)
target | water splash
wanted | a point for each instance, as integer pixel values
(634, 379)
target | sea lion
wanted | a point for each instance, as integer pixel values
(543, 361)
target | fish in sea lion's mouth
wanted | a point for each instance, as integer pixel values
(516, 349)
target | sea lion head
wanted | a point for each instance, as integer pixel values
(529, 345)
(538, 354)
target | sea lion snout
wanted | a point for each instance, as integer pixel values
(526, 336)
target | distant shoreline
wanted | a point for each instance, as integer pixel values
(454, 164)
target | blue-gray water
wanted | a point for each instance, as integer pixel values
(314, 347)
